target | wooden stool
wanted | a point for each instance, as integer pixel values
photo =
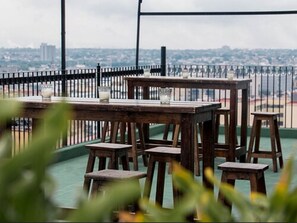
(225, 112)
(232, 171)
(138, 147)
(162, 155)
(271, 118)
(102, 177)
(114, 151)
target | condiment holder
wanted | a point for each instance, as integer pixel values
(104, 93)
(46, 92)
(165, 95)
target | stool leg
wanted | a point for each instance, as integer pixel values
(196, 152)
(134, 146)
(279, 148)
(142, 142)
(113, 162)
(114, 132)
(217, 118)
(257, 141)
(176, 135)
(222, 198)
(257, 183)
(272, 141)
(166, 130)
(252, 140)
(90, 167)
(226, 129)
(149, 178)
(102, 163)
(104, 131)
(125, 162)
(95, 188)
(135, 206)
(160, 182)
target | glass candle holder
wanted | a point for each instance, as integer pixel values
(230, 75)
(146, 72)
(104, 93)
(185, 73)
(46, 92)
(165, 95)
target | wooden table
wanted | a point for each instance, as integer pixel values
(234, 86)
(187, 114)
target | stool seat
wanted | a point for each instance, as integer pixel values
(232, 171)
(115, 175)
(276, 150)
(114, 151)
(162, 155)
(102, 177)
(243, 167)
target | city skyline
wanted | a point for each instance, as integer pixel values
(112, 24)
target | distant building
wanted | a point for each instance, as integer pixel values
(47, 52)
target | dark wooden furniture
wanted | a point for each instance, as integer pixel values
(162, 156)
(197, 151)
(102, 177)
(116, 136)
(225, 112)
(187, 114)
(232, 171)
(102, 151)
(276, 149)
(236, 87)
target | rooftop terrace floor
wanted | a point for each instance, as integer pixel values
(69, 175)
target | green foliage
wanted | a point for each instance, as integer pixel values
(26, 188)
(280, 206)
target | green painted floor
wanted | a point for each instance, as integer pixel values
(69, 175)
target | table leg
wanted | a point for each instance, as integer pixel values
(233, 124)
(208, 149)
(244, 117)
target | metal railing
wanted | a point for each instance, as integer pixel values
(272, 89)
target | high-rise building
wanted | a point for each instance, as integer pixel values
(47, 52)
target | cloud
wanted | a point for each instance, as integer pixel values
(112, 24)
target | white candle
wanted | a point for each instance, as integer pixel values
(185, 73)
(230, 75)
(104, 95)
(164, 99)
(146, 73)
(47, 92)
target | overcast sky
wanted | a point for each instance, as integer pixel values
(112, 24)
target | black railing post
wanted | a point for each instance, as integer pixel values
(138, 33)
(98, 81)
(63, 47)
(163, 61)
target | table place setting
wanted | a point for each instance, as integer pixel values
(104, 94)
(46, 92)
(165, 95)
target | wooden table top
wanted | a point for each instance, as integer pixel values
(201, 82)
(132, 105)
